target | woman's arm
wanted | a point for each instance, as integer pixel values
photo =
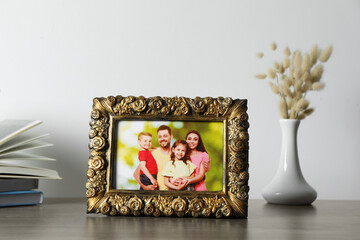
(199, 177)
(172, 186)
(206, 165)
(206, 162)
(176, 181)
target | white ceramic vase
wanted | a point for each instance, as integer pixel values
(289, 186)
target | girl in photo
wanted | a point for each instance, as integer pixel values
(180, 167)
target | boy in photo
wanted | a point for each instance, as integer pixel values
(148, 166)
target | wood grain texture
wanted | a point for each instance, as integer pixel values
(66, 219)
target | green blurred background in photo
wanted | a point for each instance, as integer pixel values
(212, 134)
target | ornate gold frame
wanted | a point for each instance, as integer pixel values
(230, 202)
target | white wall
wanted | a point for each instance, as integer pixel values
(56, 56)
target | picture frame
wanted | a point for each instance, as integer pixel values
(108, 115)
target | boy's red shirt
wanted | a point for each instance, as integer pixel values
(145, 155)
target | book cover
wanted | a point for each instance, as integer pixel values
(18, 184)
(20, 198)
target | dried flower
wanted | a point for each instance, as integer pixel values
(285, 90)
(317, 86)
(286, 62)
(287, 52)
(276, 66)
(271, 73)
(301, 105)
(314, 54)
(260, 55)
(281, 69)
(305, 77)
(305, 63)
(306, 87)
(308, 111)
(273, 46)
(325, 54)
(290, 103)
(297, 59)
(260, 76)
(297, 73)
(283, 108)
(274, 88)
(301, 116)
(294, 77)
(298, 85)
(292, 112)
(317, 73)
(287, 82)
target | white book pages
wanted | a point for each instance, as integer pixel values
(24, 156)
(11, 128)
(20, 140)
(28, 146)
(19, 171)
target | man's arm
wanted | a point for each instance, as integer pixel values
(147, 173)
(136, 175)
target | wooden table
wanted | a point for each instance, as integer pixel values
(66, 219)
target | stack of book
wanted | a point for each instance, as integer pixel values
(19, 180)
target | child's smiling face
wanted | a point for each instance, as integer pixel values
(145, 142)
(179, 151)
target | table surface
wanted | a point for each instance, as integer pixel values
(67, 219)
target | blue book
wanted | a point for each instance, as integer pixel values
(20, 198)
(18, 184)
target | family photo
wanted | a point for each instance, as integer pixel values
(169, 155)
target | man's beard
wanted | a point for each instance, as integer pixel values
(162, 144)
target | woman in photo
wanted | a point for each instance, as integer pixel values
(200, 158)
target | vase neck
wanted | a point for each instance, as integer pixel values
(289, 128)
(289, 160)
